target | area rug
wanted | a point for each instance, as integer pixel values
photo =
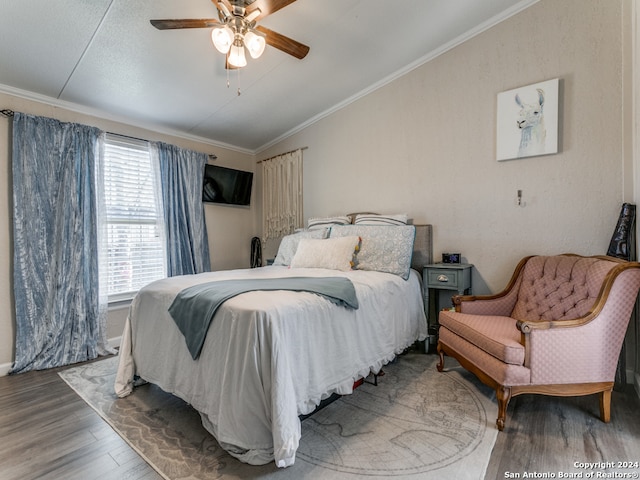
(415, 424)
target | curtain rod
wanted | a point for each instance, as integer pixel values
(9, 113)
(285, 153)
(128, 136)
(212, 156)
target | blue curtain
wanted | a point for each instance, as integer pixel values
(181, 174)
(56, 282)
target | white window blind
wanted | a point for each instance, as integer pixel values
(134, 227)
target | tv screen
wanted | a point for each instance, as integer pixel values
(226, 185)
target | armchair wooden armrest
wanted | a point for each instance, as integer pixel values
(526, 326)
(501, 303)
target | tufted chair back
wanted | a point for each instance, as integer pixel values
(560, 287)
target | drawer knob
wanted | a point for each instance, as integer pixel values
(443, 278)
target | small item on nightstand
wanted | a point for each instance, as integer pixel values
(451, 257)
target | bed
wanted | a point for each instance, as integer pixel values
(269, 357)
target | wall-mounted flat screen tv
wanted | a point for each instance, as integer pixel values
(226, 185)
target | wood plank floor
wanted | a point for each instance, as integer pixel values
(48, 432)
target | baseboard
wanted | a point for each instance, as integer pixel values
(115, 342)
(4, 369)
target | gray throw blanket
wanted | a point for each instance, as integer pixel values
(194, 307)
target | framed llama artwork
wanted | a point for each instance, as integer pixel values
(527, 123)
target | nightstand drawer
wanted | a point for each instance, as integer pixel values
(448, 276)
(441, 278)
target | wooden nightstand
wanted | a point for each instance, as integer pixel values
(443, 276)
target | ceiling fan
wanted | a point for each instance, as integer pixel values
(236, 30)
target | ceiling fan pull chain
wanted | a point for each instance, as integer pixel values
(239, 92)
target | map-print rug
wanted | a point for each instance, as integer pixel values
(416, 423)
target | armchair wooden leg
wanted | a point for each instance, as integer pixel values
(440, 365)
(504, 395)
(605, 406)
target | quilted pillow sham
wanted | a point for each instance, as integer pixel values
(383, 248)
(331, 253)
(289, 244)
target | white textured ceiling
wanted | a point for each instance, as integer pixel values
(104, 56)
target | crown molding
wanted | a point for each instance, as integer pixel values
(510, 12)
(103, 115)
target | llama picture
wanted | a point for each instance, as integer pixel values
(527, 123)
(530, 121)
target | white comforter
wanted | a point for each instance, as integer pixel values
(269, 356)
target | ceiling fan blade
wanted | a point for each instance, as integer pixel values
(283, 43)
(267, 7)
(185, 23)
(225, 4)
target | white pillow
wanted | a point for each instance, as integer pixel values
(373, 219)
(318, 222)
(289, 244)
(331, 253)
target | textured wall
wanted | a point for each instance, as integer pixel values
(425, 143)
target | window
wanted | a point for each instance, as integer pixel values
(133, 217)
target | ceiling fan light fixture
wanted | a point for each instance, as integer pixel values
(236, 56)
(222, 38)
(235, 30)
(255, 43)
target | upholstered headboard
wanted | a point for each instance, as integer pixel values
(422, 247)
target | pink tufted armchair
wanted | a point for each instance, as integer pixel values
(556, 329)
